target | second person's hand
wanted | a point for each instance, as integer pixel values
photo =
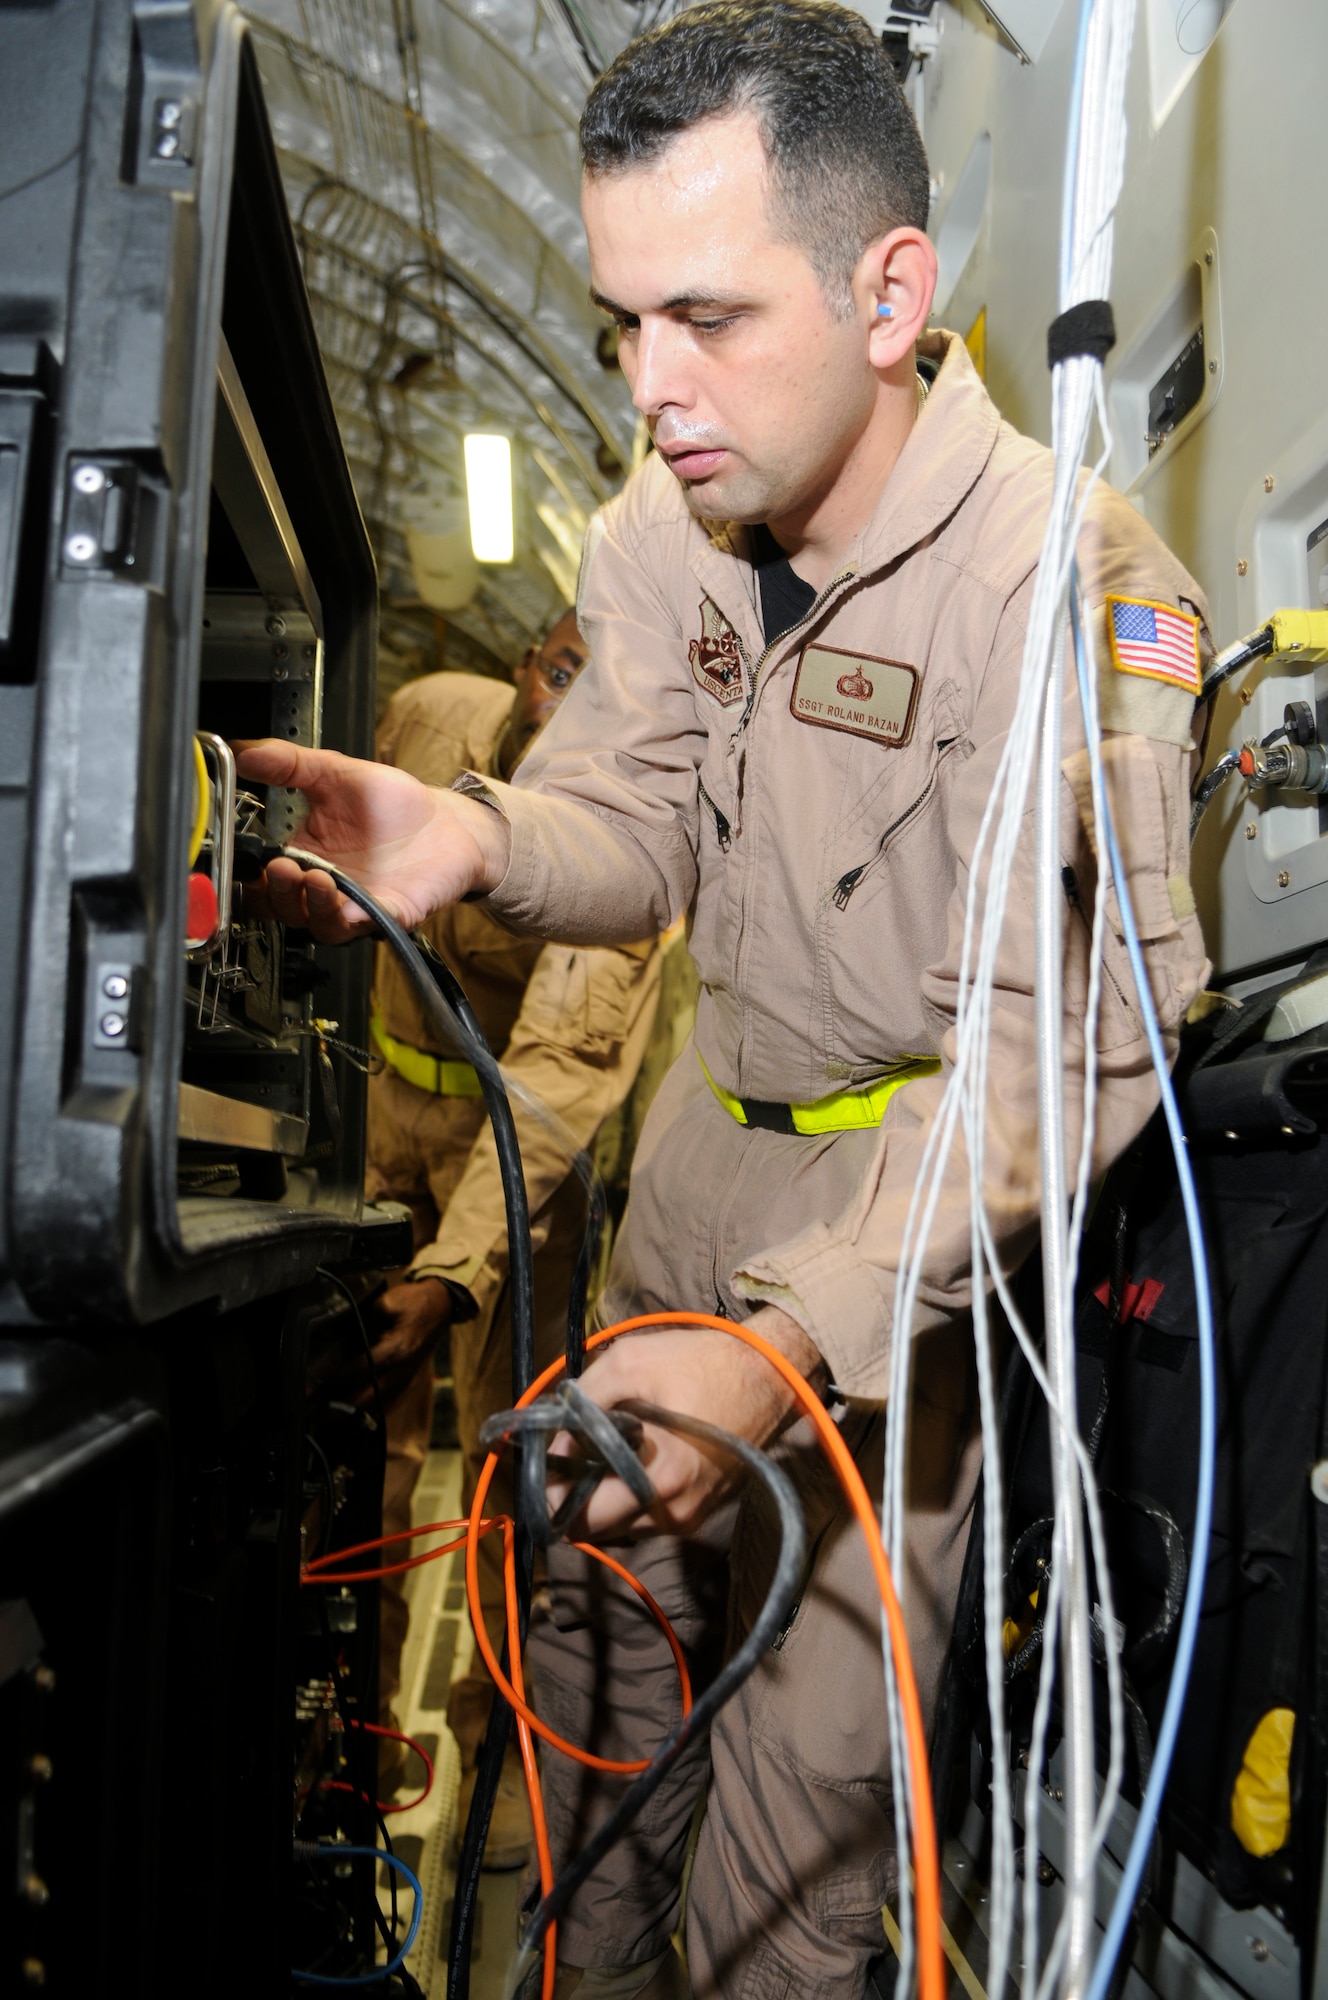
(414, 848)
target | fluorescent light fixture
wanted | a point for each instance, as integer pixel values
(489, 496)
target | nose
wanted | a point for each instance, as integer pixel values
(658, 376)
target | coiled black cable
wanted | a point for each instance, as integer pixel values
(568, 1410)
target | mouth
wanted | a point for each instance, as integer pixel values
(689, 462)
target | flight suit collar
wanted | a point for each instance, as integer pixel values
(943, 458)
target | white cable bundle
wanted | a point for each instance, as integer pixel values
(1094, 167)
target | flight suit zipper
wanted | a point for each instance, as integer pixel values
(843, 890)
(743, 939)
(723, 831)
(844, 576)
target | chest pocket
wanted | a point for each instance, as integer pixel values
(858, 847)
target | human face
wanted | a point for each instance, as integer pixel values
(755, 391)
(542, 679)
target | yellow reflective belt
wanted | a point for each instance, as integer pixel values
(435, 1074)
(843, 1110)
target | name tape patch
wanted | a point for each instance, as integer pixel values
(849, 691)
(1156, 641)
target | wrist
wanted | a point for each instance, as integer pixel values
(492, 837)
(794, 1343)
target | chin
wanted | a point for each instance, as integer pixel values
(727, 500)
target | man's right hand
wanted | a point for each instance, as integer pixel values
(413, 1315)
(413, 848)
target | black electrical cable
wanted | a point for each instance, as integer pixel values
(587, 1258)
(1233, 659)
(765, 1628)
(354, 1304)
(1208, 787)
(451, 1018)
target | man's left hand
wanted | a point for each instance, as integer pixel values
(699, 1372)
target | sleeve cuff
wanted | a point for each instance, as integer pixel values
(835, 1297)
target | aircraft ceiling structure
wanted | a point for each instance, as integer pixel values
(429, 154)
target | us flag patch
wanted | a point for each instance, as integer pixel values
(1154, 640)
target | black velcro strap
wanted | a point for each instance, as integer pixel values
(1088, 328)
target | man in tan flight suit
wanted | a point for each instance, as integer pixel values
(806, 616)
(571, 1025)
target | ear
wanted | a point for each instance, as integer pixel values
(524, 664)
(898, 272)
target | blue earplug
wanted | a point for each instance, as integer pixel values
(886, 312)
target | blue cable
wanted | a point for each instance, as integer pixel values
(1122, 1909)
(382, 1972)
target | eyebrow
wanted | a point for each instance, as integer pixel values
(681, 302)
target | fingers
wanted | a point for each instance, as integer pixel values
(270, 761)
(306, 899)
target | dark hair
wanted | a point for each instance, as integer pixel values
(846, 159)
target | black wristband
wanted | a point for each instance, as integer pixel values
(1088, 328)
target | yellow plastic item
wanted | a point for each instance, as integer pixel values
(1302, 632)
(202, 802)
(435, 1074)
(1261, 1797)
(842, 1110)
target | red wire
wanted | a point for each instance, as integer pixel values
(316, 1571)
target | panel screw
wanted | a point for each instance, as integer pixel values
(1246, 696)
(167, 146)
(1208, 256)
(1212, 366)
(89, 478)
(1258, 1949)
(280, 652)
(1269, 482)
(112, 1025)
(276, 627)
(308, 673)
(80, 548)
(1284, 879)
(40, 1767)
(115, 986)
(1046, 1874)
(1251, 833)
(308, 652)
(44, 1680)
(36, 1890)
(168, 115)
(1242, 567)
(279, 673)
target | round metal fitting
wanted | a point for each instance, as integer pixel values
(80, 548)
(113, 1026)
(1251, 833)
(115, 986)
(275, 627)
(89, 479)
(1284, 878)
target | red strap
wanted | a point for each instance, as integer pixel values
(1137, 1301)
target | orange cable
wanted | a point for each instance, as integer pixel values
(931, 1959)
